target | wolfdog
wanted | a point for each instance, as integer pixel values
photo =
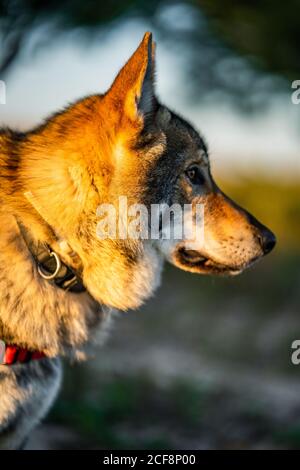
(60, 281)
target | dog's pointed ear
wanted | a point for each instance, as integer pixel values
(132, 92)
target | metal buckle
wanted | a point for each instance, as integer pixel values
(50, 276)
(2, 351)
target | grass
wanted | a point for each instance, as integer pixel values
(121, 413)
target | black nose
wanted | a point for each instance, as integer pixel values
(267, 240)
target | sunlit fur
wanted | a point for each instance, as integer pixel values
(53, 179)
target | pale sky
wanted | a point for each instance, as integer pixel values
(69, 68)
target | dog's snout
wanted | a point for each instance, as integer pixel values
(267, 240)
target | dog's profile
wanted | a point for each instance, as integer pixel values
(58, 278)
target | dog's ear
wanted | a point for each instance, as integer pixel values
(132, 92)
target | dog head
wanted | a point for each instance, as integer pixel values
(125, 143)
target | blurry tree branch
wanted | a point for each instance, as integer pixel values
(241, 48)
(268, 31)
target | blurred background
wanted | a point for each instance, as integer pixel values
(207, 362)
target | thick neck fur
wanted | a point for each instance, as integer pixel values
(33, 313)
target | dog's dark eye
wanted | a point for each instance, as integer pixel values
(194, 175)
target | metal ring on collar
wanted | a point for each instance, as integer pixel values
(46, 275)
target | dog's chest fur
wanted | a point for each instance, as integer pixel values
(38, 316)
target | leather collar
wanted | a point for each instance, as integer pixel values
(49, 265)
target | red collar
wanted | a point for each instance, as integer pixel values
(10, 354)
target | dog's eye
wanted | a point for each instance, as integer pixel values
(194, 175)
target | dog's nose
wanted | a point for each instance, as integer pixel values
(267, 240)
